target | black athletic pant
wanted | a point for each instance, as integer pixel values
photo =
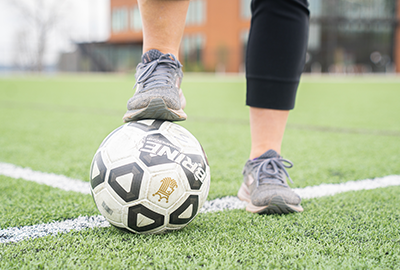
(276, 52)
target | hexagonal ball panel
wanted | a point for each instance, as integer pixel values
(186, 212)
(142, 219)
(165, 188)
(122, 144)
(180, 136)
(110, 135)
(109, 206)
(126, 181)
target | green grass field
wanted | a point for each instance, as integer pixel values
(343, 128)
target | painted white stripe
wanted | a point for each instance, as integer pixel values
(16, 234)
(230, 202)
(220, 204)
(332, 189)
(49, 179)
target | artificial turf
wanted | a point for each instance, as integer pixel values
(341, 129)
(26, 203)
(354, 230)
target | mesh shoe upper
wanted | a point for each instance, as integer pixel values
(265, 178)
(158, 75)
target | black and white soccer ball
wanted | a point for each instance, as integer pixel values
(150, 176)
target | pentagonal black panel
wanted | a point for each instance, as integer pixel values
(94, 182)
(191, 200)
(133, 212)
(109, 135)
(157, 150)
(154, 126)
(195, 170)
(137, 172)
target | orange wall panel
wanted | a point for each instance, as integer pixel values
(222, 31)
(223, 28)
(128, 35)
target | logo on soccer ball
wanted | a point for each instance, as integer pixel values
(168, 186)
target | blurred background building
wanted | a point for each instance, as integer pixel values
(346, 36)
(354, 36)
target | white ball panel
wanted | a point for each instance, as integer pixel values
(182, 176)
(98, 188)
(105, 158)
(120, 146)
(108, 206)
(181, 136)
(204, 192)
(165, 189)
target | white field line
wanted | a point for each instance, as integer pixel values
(332, 189)
(16, 234)
(49, 179)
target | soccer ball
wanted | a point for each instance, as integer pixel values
(150, 176)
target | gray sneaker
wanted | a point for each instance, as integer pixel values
(158, 94)
(265, 188)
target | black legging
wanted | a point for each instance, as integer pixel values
(276, 52)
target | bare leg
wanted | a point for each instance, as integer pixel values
(267, 127)
(163, 24)
(273, 68)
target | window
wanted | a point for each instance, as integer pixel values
(136, 20)
(353, 9)
(196, 14)
(245, 10)
(192, 51)
(244, 36)
(315, 7)
(119, 21)
(314, 38)
(366, 9)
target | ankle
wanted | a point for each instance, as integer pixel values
(255, 153)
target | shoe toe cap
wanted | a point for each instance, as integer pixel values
(142, 99)
(264, 194)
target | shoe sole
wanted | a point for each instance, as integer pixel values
(157, 109)
(277, 204)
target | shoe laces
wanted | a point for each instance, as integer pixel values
(157, 72)
(270, 171)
